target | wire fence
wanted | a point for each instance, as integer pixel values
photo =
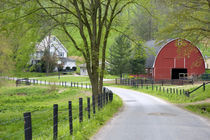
(29, 81)
(159, 85)
(58, 122)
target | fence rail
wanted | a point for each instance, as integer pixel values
(158, 84)
(132, 81)
(20, 81)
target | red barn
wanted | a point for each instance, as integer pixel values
(176, 59)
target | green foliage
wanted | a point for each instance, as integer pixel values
(125, 58)
(120, 53)
(185, 19)
(137, 65)
(144, 22)
(207, 71)
(6, 64)
(49, 62)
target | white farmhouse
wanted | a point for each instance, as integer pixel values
(55, 48)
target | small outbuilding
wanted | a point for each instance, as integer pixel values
(83, 69)
(177, 59)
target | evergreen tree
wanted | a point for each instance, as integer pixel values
(119, 56)
(137, 61)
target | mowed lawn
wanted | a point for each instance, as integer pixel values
(39, 100)
(66, 78)
(72, 78)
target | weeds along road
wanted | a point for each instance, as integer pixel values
(145, 117)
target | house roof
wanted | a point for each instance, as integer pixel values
(152, 49)
(82, 65)
(48, 40)
(64, 59)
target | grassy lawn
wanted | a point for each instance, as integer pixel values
(39, 100)
(202, 109)
(66, 78)
(72, 78)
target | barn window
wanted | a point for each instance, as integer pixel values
(179, 42)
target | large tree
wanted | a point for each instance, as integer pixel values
(91, 19)
(185, 18)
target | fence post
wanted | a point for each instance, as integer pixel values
(27, 126)
(204, 88)
(86, 85)
(80, 110)
(93, 102)
(45, 82)
(70, 118)
(71, 83)
(55, 121)
(77, 85)
(65, 84)
(107, 97)
(88, 107)
(167, 90)
(110, 96)
(99, 101)
(180, 91)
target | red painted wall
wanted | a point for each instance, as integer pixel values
(178, 53)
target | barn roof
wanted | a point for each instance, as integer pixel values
(152, 49)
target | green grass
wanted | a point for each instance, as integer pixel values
(66, 78)
(39, 100)
(108, 76)
(198, 109)
(28, 74)
(72, 78)
(173, 97)
(207, 72)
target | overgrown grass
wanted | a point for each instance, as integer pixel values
(174, 97)
(202, 109)
(39, 100)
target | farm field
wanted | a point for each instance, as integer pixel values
(39, 100)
